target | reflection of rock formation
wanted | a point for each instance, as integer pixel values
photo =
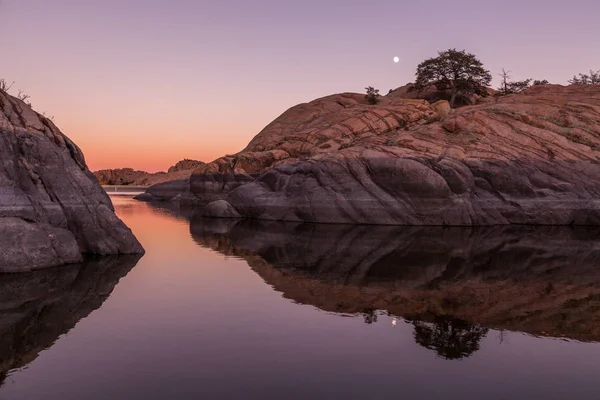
(451, 338)
(37, 307)
(539, 280)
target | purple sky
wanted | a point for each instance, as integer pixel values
(144, 83)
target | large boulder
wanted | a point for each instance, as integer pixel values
(321, 127)
(530, 158)
(52, 208)
(433, 95)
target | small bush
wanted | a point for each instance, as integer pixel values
(5, 86)
(372, 96)
(583, 79)
(24, 97)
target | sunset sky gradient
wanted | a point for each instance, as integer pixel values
(145, 83)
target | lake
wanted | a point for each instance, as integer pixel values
(227, 309)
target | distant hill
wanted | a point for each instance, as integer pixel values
(128, 176)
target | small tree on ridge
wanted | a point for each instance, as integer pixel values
(372, 96)
(510, 87)
(540, 82)
(592, 79)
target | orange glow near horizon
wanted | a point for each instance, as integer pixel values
(152, 148)
(149, 156)
(146, 84)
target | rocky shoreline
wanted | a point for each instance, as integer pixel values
(527, 158)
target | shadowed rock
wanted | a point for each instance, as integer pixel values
(165, 191)
(39, 306)
(455, 281)
(52, 209)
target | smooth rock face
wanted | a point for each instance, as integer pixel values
(50, 203)
(27, 245)
(531, 158)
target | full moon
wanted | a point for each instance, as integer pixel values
(396, 59)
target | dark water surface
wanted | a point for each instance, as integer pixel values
(224, 309)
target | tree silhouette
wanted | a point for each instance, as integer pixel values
(372, 96)
(457, 72)
(592, 79)
(451, 338)
(370, 315)
(511, 87)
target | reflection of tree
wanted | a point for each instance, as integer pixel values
(370, 315)
(451, 338)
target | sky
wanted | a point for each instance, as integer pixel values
(145, 83)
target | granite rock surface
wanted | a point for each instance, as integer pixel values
(529, 158)
(52, 208)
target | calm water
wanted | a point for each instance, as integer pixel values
(228, 310)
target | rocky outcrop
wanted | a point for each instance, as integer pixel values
(530, 158)
(539, 280)
(52, 209)
(432, 95)
(128, 176)
(37, 307)
(320, 127)
(122, 176)
(166, 191)
(185, 165)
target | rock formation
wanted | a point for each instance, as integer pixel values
(37, 307)
(529, 158)
(52, 208)
(185, 165)
(128, 176)
(432, 95)
(539, 280)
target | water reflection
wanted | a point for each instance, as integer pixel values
(39, 306)
(451, 338)
(453, 284)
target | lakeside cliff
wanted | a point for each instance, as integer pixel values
(527, 158)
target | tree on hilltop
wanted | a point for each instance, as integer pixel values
(372, 96)
(457, 72)
(512, 87)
